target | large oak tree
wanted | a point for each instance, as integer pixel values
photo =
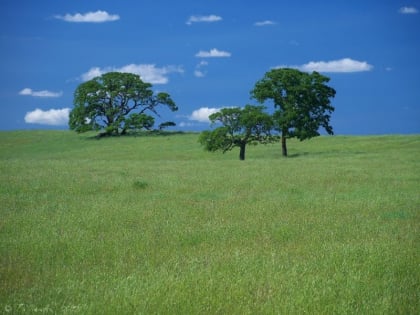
(302, 102)
(116, 102)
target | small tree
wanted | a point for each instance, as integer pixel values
(302, 102)
(115, 103)
(240, 126)
(166, 124)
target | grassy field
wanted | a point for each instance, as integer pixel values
(156, 225)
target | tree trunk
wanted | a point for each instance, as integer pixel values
(283, 145)
(242, 151)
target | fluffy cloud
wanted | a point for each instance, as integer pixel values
(213, 53)
(148, 72)
(203, 18)
(342, 65)
(89, 17)
(52, 117)
(202, 114)
(408, 10)
(265, 23)
(43, 93)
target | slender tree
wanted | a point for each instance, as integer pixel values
(240, 126)
(115, 103)
(302, 102)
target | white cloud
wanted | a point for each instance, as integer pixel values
(198, 72)
(203, 18)
(93, 73)
(408, 10)
(43, 93)
(342, 65)
(265, 23)
(213, 53)
(147, 72)
(89, 17)
(202, 114)
(52, 117)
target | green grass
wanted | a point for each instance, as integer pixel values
(156, 225)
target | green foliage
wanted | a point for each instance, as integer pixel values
(216, 140)
(139, 121)
(302, 102)
(106, 102)
(240, 126)
(331, 230)
(166, 124)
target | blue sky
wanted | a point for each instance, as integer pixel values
(208, 54)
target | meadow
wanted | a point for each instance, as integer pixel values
(156, 225)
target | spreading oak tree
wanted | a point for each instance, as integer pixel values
(239, 127)
(115, 103)
(302, 102)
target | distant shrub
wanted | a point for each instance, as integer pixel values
(139, 184)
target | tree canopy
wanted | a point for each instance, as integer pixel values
(302, 102)
(116, 102)
(240, 126)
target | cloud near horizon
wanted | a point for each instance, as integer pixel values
(213, 53)
(202, 114)
(43, 93)
(89, 17)
(203, 18)
(344, 65)
(52, 117)
(147, 72)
